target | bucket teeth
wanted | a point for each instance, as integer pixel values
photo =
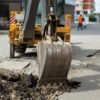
(54, 61)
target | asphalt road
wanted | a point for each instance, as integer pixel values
(85, 64)
(4, 46)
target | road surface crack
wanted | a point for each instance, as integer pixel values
(93, 54)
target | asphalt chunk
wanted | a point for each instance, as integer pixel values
(19, 86)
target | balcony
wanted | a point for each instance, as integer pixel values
(79, 6)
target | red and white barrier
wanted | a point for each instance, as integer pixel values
(68, 22)
(12, 20)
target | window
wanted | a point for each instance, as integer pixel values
(77, 12)
(85, 12)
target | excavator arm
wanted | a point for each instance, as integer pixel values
(30, 17)
(53, 55)
(29, 20)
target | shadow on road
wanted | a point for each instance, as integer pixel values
(89, 82)
(82, 54)
(27, 55)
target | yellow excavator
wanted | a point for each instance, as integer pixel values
(54, 52)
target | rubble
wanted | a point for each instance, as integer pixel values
(19, 86)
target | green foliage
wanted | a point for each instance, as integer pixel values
(91, 17)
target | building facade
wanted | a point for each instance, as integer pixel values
(78, 9)
(88, 6)
(61, 7)
(5, 7)
(70, 8)
(9, 5)
(97, 11)
(84, 7)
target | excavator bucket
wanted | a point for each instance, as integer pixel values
(54, 61)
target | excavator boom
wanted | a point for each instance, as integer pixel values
(30, 18)
(54, 56)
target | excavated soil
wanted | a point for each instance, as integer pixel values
(18, 86)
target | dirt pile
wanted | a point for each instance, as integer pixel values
(16, 86)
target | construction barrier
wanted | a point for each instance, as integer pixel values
(68, 25)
